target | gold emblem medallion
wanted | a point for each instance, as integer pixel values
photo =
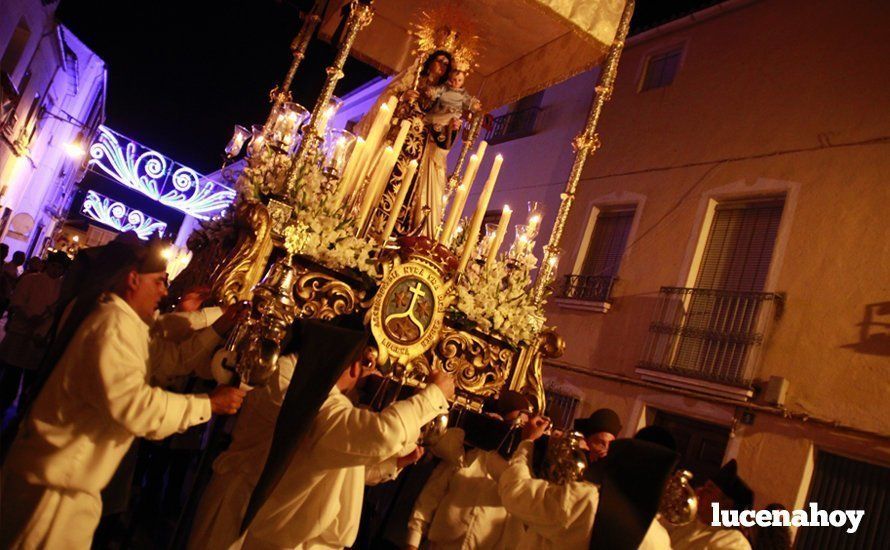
(407, 313)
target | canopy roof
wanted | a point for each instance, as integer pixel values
(523, 45)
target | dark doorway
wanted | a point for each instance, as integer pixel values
(701, 445)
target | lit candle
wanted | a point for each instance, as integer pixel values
(397, 145)
(400, 200)
(460, 199)
(457, 206)
(372, 143)
(480, 151)
(346, 182)
(376, 182)
(499, 236)
(481, 206)
(533, 222)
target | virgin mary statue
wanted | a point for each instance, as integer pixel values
(427, 143)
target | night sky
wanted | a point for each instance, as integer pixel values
(181, 73)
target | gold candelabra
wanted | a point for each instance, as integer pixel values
(360, 16)
(584, 144)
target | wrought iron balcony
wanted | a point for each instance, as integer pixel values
(710, 335)
(9, 102)
(589, 288)
(513, 125)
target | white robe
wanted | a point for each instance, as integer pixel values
(317, 503)
(699, 536)
(460, 508)
(555, 516)
(236, 471)
(95, 402)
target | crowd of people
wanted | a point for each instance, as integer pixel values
(99, 368)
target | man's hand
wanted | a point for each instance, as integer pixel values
(445, 382)
(226, 399)
(233, 315)
(410, 458)
(456, 123)
(535, 428)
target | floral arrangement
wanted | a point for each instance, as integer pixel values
(219, 229)
(322, 229)
(495, 297)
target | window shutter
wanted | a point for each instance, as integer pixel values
(841, 483)
(740, 246)
(607, 244)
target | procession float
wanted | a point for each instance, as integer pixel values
(329, 223)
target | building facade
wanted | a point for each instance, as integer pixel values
(53, 98)
(726, 267)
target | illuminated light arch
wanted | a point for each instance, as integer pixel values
(121, 217)
(162, 179)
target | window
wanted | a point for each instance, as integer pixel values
(519, 122)
(740, 245)
(15, 49)
(841, 483)
(715, 330)
(603, 257)
(561, 409)
(608, 242)
(701, 445)
(661, 69)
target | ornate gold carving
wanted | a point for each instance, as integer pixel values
(233, 280)
(323, 296)
(527, 376)
(480, 365)
(408, 311)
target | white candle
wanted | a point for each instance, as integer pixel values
(400, 200)
(459, 201)
(479, 215)
(375, 136)
(399, 142)
(457, 206)
(533, 222)
(480, 151)
(346, 182)
(499, 236)
(376, 182)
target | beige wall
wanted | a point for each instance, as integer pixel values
(759, 107)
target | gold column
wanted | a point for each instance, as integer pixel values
(584, 144)
(298, 47)
(360, 15)
(473, 133)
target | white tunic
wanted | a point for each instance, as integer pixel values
(236, 471)
(460, 508)
(95, 402)
(555, 516)
(317, 503)
(699, 536)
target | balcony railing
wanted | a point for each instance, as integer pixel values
(9, 102)
(712, 335)
(513, 125)
(589, 288)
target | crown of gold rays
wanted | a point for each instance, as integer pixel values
(447, 27)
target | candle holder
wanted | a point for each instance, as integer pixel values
(535, 217)
(491, 232)
(239, 136)
(336, 150)
(257, 141)
(521, 244)
(287, 120)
